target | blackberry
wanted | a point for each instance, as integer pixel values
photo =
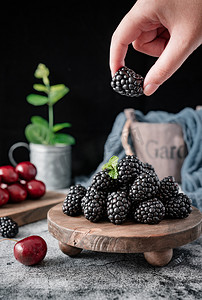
(102, 181)
(168, 188)
(8, 227)
(148, 168)
(118, 206)
(145, 187)
(77, 189)
(127, 82)
(178, 207)
(129, 168)
(149, 212)
(72, 203)
(94, 204)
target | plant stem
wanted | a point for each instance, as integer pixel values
(50, 115)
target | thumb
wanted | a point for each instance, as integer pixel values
(170, 60)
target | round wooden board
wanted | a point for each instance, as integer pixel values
(129, 237)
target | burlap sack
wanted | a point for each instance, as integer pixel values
(160, 144)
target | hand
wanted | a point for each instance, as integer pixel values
(170, 30)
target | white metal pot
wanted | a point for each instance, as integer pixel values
(53, 163)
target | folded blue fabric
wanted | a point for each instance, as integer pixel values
(190, 121)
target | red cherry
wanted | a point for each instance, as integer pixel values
(4, 196)
(35, 188)
(8, 174)
(26, 170)
(30, 250)
(17, 192)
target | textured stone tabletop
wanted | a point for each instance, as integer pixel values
(95, 275)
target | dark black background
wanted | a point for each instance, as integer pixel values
(73, 41)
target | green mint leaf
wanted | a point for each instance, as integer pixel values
(113, 173)
(111, 166)
(113, 161)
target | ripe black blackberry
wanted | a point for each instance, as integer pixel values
(129, 168)
(178, 207)
(149, 212)
(8, 227)
(145, 187)
(149, 168)
(127, 82)
(94, 204)
(72, 203)
(118, 206)
(103, 181)
(168, 188)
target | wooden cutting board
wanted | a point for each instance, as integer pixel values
(30, 211)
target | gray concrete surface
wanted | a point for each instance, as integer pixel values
(95, 275)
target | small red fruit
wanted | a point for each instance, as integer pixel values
(17, 192)
(26, 170)
(4, 196)
(35, 188)
(8, 174)
(30, 250)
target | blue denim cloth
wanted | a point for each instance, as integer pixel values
(190, 121)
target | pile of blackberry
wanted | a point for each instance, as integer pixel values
(128, 190)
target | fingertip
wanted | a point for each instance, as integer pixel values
(150, 88)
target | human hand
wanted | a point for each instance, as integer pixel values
(170, 30)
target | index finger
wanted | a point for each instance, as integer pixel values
(126, 32)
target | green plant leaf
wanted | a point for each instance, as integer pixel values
(38, 134)
(41, 71)
(113, 161)
(60, 126)
(39, 120)
(40, 88)
(37, 100)
(57, 87)
(62, 138)
(57, 94)
(113, 173)
(111, 166)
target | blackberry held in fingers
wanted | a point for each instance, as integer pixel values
(127, 82)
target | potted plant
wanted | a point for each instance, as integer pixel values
(50, 150)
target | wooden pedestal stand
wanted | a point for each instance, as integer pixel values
(155, 241)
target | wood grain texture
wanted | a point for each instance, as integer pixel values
(30, 211)
(126, 238)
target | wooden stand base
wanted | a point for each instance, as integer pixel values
(159, 258)
(155, 241)
(69, 250)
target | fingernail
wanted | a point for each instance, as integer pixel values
(150, 89)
